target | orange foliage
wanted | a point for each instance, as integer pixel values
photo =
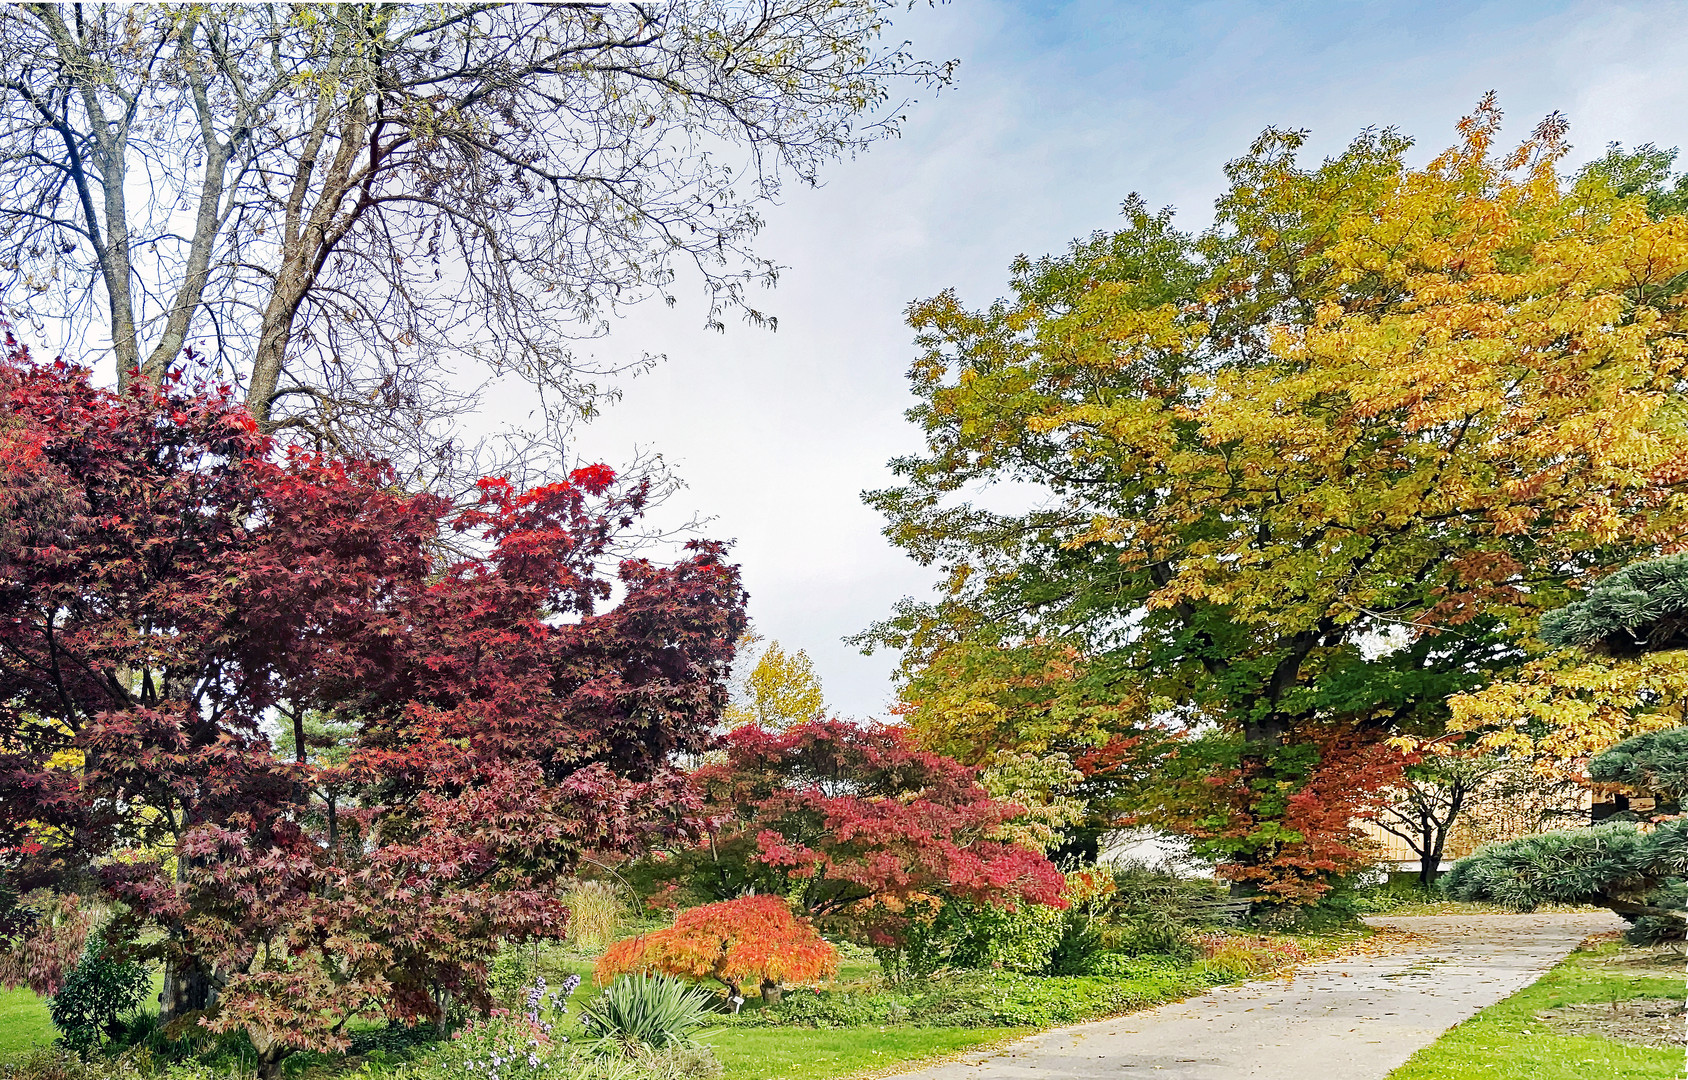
(752, 940)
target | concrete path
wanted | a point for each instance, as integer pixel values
(1349, 1019)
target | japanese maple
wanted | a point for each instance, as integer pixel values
(752, 941)
(852, 820)
(175, 587)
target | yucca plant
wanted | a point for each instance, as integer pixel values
(638, 1013)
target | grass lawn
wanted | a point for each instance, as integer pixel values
(780, 1053)
(23, 1023)
(1507, 1042)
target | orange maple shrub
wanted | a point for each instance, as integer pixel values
(754, 940)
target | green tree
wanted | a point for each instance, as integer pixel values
(1297, 479)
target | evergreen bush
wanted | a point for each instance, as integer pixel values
(98, 993)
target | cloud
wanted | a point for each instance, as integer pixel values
(1060, 111)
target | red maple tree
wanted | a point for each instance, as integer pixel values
(754, 941)
(1296, 815)
(177, 592)
(854, 821)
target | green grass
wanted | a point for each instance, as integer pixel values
(1507, 1042)
(780, 1053)
(24, 1024)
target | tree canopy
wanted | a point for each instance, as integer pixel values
(174, 586)
(779, 690)
(335, 200)
(1295, 480)
(852, 822)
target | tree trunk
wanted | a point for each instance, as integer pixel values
(271, 1052)
(771, 992)
(187, 989)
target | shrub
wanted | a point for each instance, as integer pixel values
(55, 1063)
(1615, 865)
(1142, 889)
(97, 993)
(641, 1013)
(858, 826)
(989, 937)
(1154, 933)
(506, 1048)
(985, 999)
(1237, 956)
(754, 940)
(1089, 895)
(1031, 939)
(511, 972)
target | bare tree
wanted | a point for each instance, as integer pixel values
(361, 212)
(1432, 796)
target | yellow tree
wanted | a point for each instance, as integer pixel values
(1308, 473)
(781, 689)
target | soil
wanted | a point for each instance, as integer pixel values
(1641, 1021)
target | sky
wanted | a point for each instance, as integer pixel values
(1059, 111)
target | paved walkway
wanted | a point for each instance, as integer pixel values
(1349, 1019)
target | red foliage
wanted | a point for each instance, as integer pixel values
(172, 582)
(1282, 824)
(854, 820)
(754, 940)
(47, 943)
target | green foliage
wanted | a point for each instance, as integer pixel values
(98, 992)
(1656, 762)
(1078, 946)
(998, 998)
(395, 1039)
(1615, 865)
(1644, 172)
(1259, 453)
(1113, 965)
(57, 1064)
(1153, 933)
(1641, 608)
(1656, 929)
(511, 972)
(639, 1013)
(1045, 785)
(517, 1049)
(960, 934)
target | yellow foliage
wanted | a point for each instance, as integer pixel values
(1564, 708)
(780, 690)
(1043, 786)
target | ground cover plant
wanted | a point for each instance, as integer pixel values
(1511, 1040)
